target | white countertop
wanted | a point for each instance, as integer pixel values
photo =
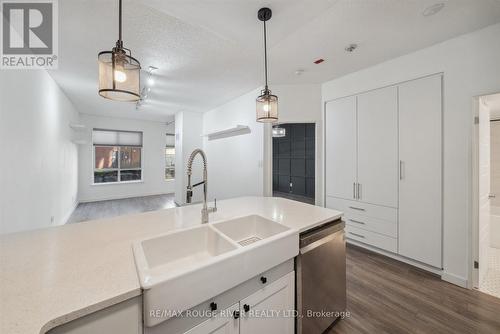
(51, 276)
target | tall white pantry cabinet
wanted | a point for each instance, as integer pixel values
(383, 167)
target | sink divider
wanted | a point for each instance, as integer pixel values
(225, 237)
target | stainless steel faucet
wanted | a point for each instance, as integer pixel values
(205, 210)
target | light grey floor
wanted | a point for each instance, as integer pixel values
(298, 198)
(119, 207)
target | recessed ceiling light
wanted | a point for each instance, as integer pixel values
(351, 47)
(299, 72)
(434, 9)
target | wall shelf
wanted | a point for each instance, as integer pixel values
(76, 126)
(234, 131)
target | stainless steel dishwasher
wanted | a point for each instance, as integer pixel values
(320, 277)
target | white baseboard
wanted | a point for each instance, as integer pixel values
(454, 279)
(110, 198)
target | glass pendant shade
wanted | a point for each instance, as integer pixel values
(119, 76)
(267, 107)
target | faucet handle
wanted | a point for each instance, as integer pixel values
(214, 209)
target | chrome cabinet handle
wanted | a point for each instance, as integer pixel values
(357, 235)
(354, 190)
(359, 191)
(401, 169)
(356, 208)
(357, 222)
(492, 196)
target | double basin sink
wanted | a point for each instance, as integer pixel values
(182, 269)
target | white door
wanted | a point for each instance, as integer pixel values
(484, 188)
(270, 310)
(340, 147)
(378, 147)
(420, 185)
(224, 323)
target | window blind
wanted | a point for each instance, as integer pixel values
(116, 138)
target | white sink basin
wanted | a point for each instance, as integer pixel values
(247, 230)
(182, 269)
(181, 251)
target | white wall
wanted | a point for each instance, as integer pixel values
(153, 161)
(495, 184)
(471, 67)
(234, 163)
(495, 163)
(188, 131)
(38, 182)
(242, 165)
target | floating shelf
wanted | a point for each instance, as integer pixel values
(76, 126)
(236, 131)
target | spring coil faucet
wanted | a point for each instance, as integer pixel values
(189, 194)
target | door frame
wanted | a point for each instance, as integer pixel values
(268, 158)
(474, 228)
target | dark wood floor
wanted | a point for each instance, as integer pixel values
(387, 296)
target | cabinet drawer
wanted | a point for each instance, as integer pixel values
(372, 238)
(372, 224)
(364, 209)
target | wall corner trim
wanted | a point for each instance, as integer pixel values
(454, 279)
(70, 212)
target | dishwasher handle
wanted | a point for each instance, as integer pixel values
(320, 242)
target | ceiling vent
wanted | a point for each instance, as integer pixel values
(351, 47)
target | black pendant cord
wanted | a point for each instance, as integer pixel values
(265, 53)
(120, 21)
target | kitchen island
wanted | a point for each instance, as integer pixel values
(53, 276)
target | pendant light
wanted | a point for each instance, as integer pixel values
(119, 72)
(267, 103)
(279, 132)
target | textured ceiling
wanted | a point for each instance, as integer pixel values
(210, 51)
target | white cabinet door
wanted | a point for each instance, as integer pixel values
(223, 323)
(270, 310)
(378, 147)
(340, 142)
(420, 152)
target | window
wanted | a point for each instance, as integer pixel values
(117, 156)
(170, 157)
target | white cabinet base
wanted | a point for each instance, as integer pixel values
(223, 323)
(270, 310)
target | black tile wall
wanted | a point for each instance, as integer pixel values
(294, 160)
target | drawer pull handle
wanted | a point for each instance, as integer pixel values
(357, 235)
(356, 208)
(263, 279)
(246, 307)
(357, 222)
(213, 306)
(236, 314)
